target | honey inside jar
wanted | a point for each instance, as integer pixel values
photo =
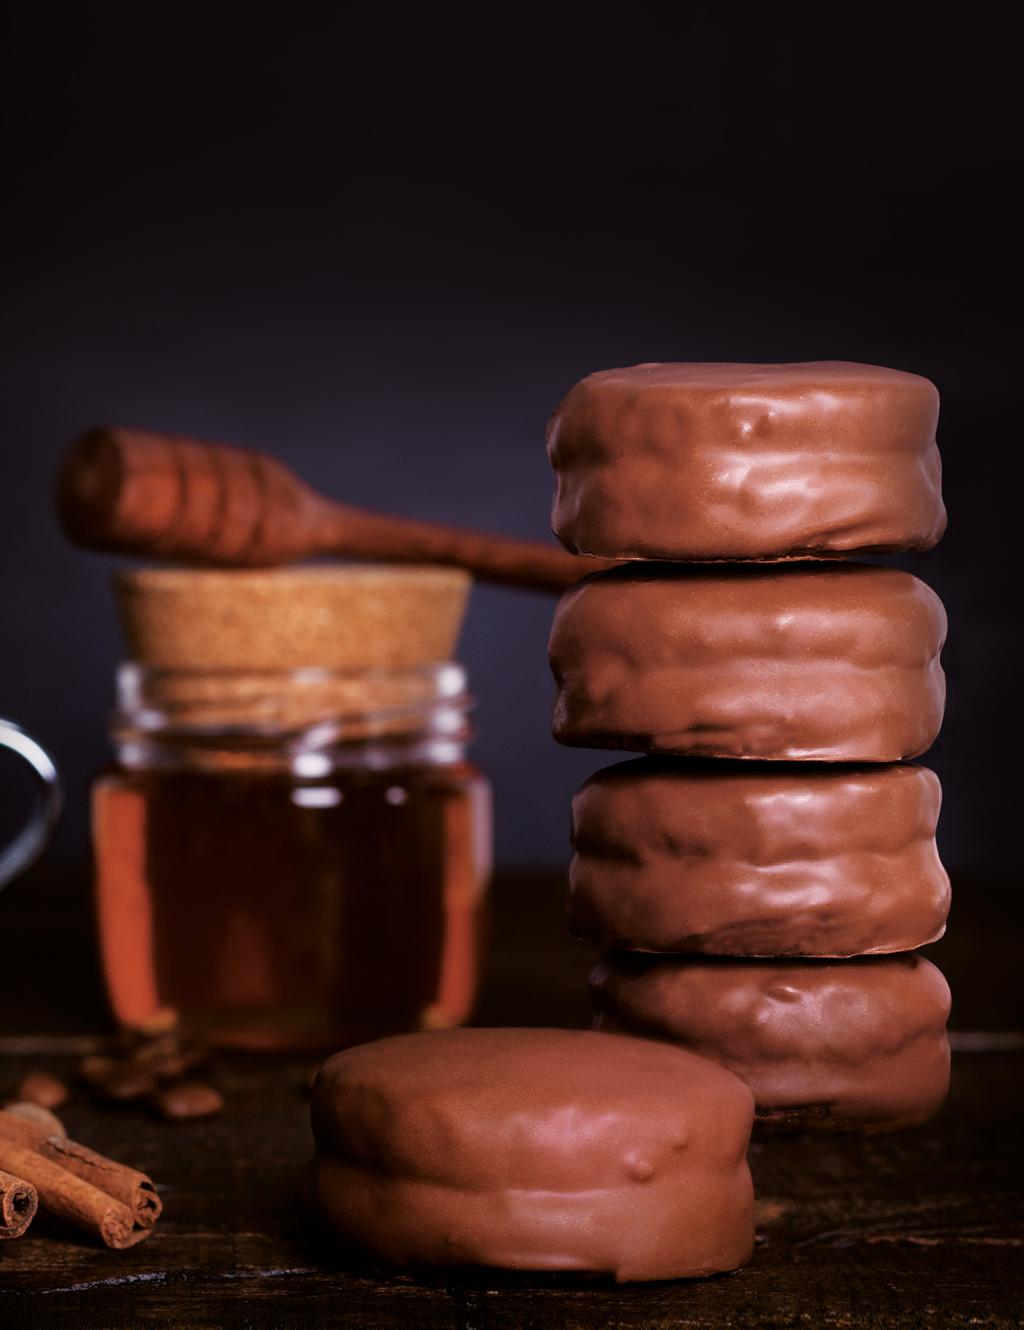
(291, 858)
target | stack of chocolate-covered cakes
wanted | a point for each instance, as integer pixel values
(760, 880)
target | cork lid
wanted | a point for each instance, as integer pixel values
(366, 651)
(338, 618)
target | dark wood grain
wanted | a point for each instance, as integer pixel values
(921, 1228)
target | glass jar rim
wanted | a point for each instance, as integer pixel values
(316, 706)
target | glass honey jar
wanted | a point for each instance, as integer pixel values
(291, 858)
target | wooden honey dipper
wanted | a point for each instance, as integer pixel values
(152, 494)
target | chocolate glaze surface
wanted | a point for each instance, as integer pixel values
(822, 1044)
(833, 662)
(757, 859)
(535, 1150)
(719, 461)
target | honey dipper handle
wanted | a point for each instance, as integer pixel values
(151, 494)
(491, 558)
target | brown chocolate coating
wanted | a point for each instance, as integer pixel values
(822, 1044)
(692, 461)
(757, 859)
(832, 662)
(535, 1150)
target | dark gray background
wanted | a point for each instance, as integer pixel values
(384, 248)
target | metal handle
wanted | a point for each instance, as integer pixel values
(34, 837)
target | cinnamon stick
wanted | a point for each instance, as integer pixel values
(18, 1203)
(116, 1203)
(69, 1198)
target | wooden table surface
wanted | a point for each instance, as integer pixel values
(923, 1228)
